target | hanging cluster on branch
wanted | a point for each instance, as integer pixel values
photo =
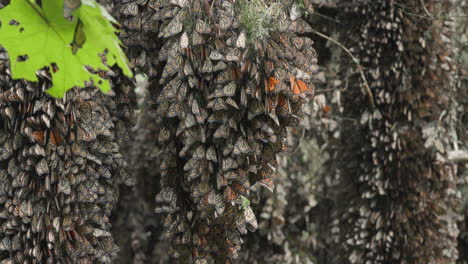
(233, 81)
(60, 168)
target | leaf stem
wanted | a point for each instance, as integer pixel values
(38, 11)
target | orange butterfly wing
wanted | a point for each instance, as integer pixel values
(271, 84)
(296, 90)
(302, 86)
(297, 86)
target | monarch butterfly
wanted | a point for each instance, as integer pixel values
(232, 103)
(170, 90)
(222, 132)
(207, 67)
(231, 175)
(220, 66)
(39, 136)
(223, 77)
(299, 26)
(215, 55)
(236, 74)
(217, 104)
(55, 137)
(211, 154)
(229, 90)
(246, 66)
(267, 183)
(197, 39)
(172, 67)
(282, 101)
(229, 194)
(233, 54)
(270, 84)
(239, 188)
(202, 27)
(221, 181)
(250, 219)
(240, 42)
(199, 153)
(184, 41)
(174, 27)
(297, 86)
(130, 9)
(180, 3)
(174, 110)
(229, 163)
(225, 21)
(241, 146)
(182, 93)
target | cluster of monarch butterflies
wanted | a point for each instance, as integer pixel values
(223, 110)
(60, 168)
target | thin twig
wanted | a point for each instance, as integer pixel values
(342, 118)
(405, 9)
(326, 17)
(324, 90)
(300, 141)
(425, 9)
(355, 60)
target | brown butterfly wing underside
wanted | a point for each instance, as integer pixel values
(55, 137)
(39, 136)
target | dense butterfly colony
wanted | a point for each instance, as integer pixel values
(288, 217)
(224, 107)
(218, 106)
(60, 168)
(400, 192)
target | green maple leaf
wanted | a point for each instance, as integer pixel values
(245, 202)
(45, 37)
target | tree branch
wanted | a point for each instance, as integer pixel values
(355, 60)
